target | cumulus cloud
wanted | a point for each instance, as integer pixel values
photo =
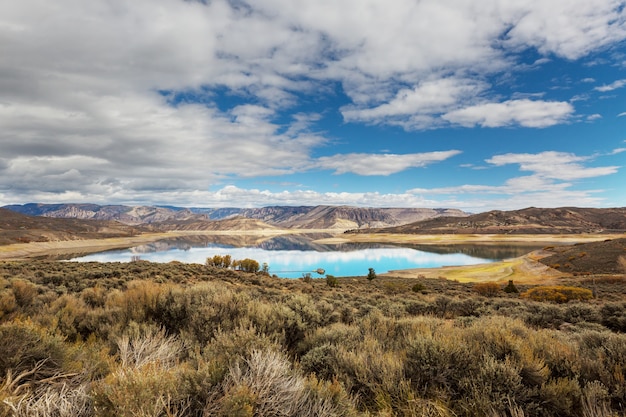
(526, 113)
(420, 106)
(552, 183)
(88, 104)
(383, 164)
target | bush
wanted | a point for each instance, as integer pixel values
(371, 274)
(332, 281)
(511, 288)
(558, 294)
(219, 261)
(247, 265)
(487, 289)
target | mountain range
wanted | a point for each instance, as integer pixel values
(532, 220)
(20, 228)
(301, 217)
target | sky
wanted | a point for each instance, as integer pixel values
(476, 105)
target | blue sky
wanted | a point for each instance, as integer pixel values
(434, 103)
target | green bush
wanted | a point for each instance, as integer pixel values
(332, 281)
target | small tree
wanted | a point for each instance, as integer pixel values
(219, 261)
(371, 274)
(511, 288)
(332, 281)
(247, 265)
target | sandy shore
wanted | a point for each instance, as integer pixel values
(526, 269)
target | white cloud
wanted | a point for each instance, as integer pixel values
(570, 29)
(427, 99)
(622, 114)
(610, 87)
(526, 113)
(80, 82)
(553, 165)
(384, 164)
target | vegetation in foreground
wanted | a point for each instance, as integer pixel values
(145, 339)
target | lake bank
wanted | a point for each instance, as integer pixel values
(525, 268)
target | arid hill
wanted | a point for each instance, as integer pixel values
(343, 217)
(565, 220)
(20, 228)
(302, 217)
(607, 257)
(236, 223)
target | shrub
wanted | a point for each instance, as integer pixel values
(266, 385)
(24, 292)
(247, 265)
(59, 400)
(219, 261)
(332, 281)
(371, 274)
(147, 391)
(558, 294)
(418, 287)
(24, 346)
(152, 347)
(487, 289)
(511, 288)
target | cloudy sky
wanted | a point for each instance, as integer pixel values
(477, 105)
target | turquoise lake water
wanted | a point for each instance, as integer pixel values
(293, 256)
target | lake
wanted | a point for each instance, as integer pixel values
(291, 256)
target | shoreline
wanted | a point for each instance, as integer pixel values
(526, 268)
(34, 250)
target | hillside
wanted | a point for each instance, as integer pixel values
(565, 220)
(607, 257)
(343, 217)
(302, 217)
(20, 228)
(236, 223)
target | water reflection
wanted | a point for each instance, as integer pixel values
(294, 255)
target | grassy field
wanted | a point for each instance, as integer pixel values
(145, 339)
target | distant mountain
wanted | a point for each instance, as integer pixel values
(302, 217)
(343, 217)
(531, 220)
(235, 223)
(132, 215)
(21, 228)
